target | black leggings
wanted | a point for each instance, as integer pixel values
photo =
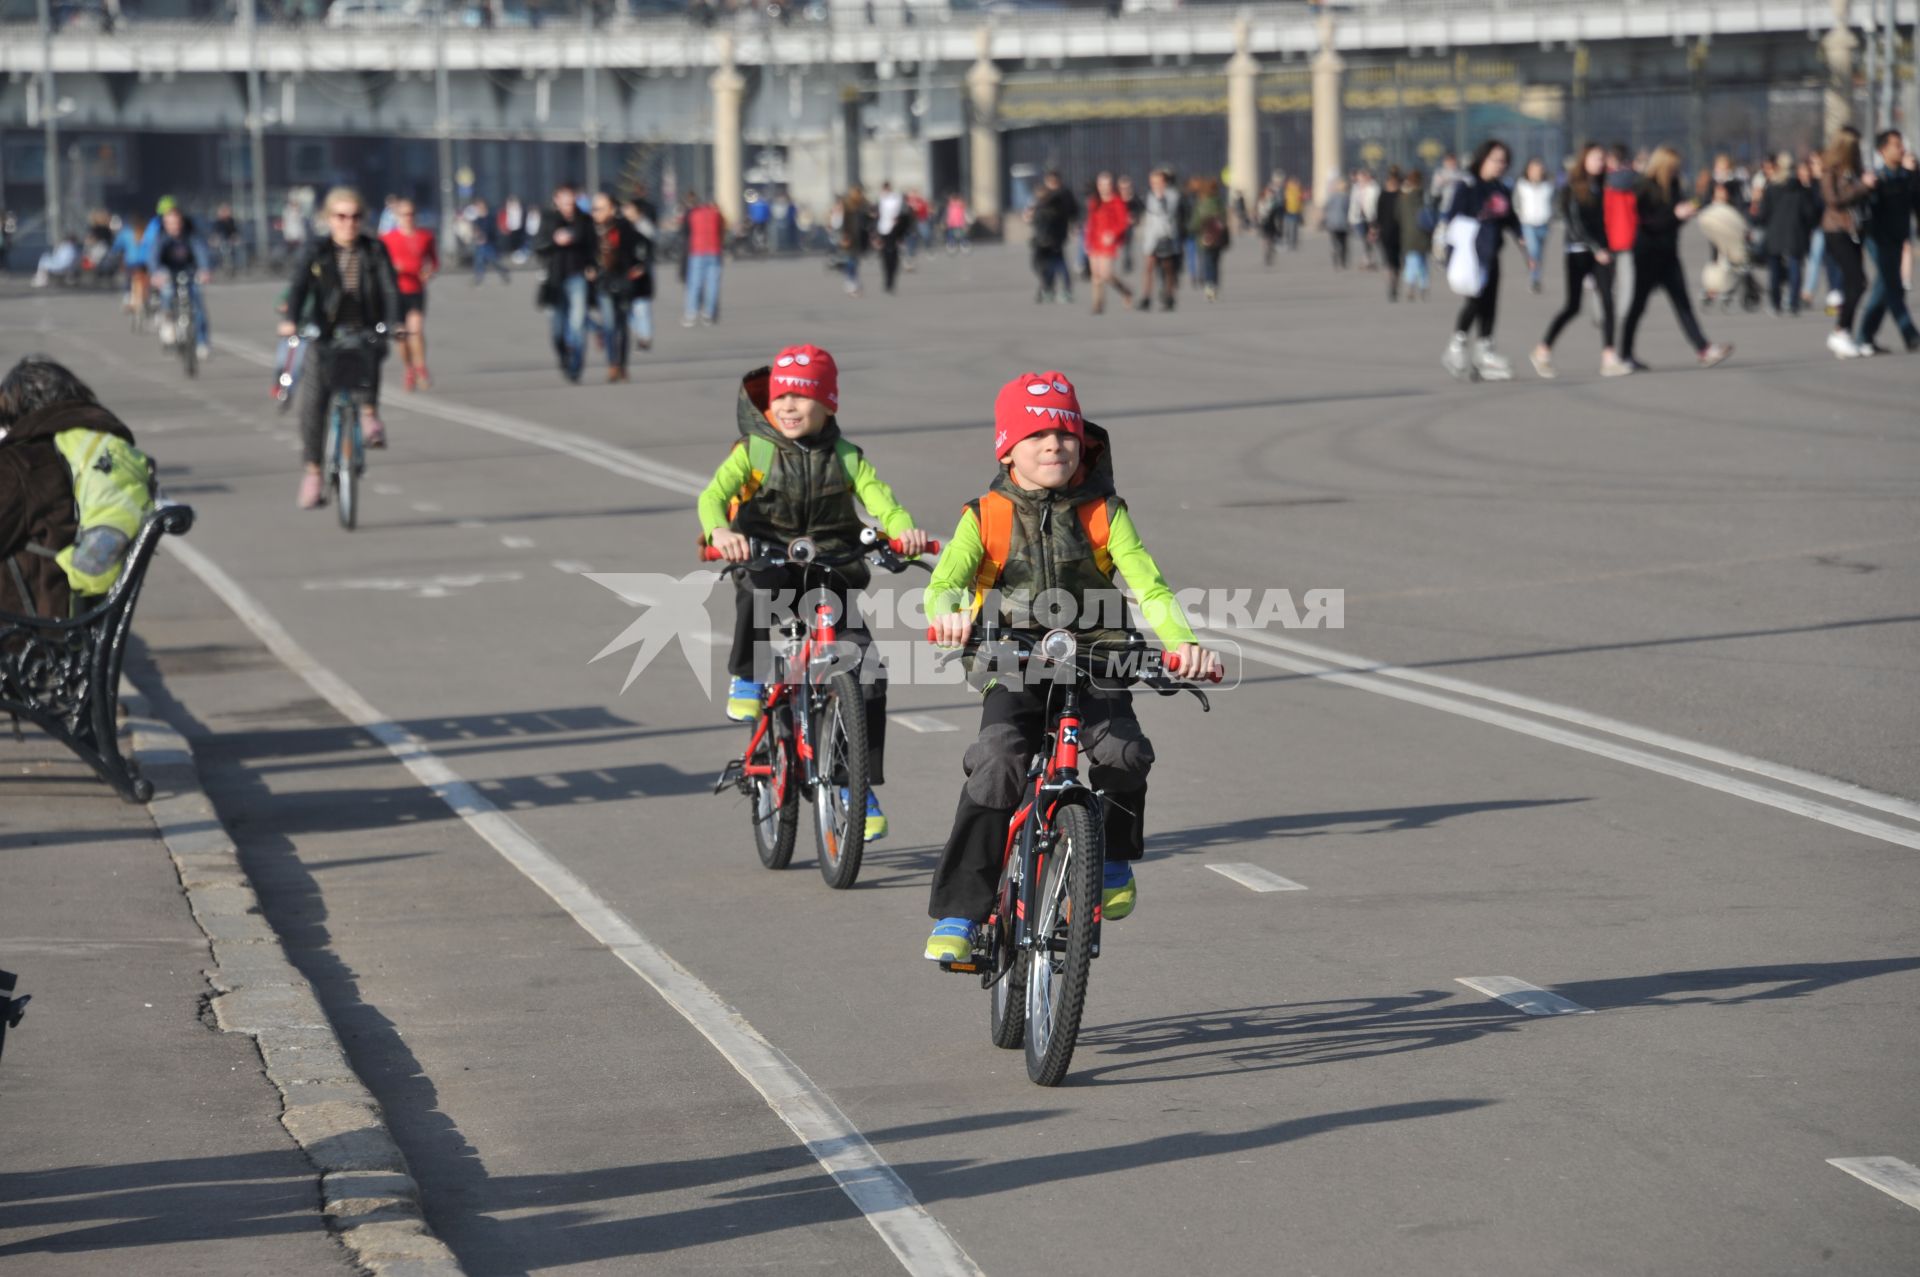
(1579, 266)
(1338, 239)
(1481, 310)
(1844, 251)
(1657, 268)
(316, 402)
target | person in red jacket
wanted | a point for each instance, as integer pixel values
(1108, 220)
(416, 260)
(706, 240)
(1620, 210)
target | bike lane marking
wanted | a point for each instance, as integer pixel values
(1254, 878)
(923, 1247)
(1752, 791)
(1521, 996)
(1355, 671)
(1897, 1179)
(923, 723)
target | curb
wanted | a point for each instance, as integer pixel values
(368, 1196)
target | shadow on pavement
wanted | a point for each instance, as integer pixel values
(1729, 986)
(1380, 820)
(156, 1203)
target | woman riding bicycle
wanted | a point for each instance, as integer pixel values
(350, 280)
(1044, 544)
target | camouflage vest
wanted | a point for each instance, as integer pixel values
(794, 492)
(1032, 547)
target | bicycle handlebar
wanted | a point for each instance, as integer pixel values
(1171, 663)
(881, 554)
(1164, 680)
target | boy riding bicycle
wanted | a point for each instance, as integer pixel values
(793, 474)
(1050, 525)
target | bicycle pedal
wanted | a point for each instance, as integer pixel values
(960, 968)
(731, 774)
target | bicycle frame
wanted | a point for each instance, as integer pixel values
(821, 636)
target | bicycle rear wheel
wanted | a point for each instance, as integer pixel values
(1007, 999)
(776, 822)
(840, 800)
(184, 335)
(1056, 984)
(344, 459)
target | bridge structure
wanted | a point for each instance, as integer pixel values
(933, 96)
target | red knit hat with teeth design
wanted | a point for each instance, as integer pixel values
(807, 371)
(1032, 402)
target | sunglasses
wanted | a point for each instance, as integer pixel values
(346, 217)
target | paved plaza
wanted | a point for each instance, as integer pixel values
(1623, 709)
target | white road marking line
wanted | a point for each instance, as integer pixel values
(517, 543)
(1375, 678)
(1858, 795)
(1897, 1179)
(1752, 791)
(426, 507)
(922, 723)
(1521, 996)
(572, 567)
(923, 1247)
(386, 489)
(425, 587)
(1254, 878)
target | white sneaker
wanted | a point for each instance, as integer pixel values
(1456, 361)
(166, 332)
(1543, 362)
(1491, 364)
(202, 352)
(1842, 345)
(1611, 365)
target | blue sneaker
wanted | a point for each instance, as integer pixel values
(876, 819)
(1118, 893)
(951, 941)
(744, 700)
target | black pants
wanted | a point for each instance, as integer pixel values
(1783, 272)
(1391, 257)
(1338, 239)
(889, 262)
(1579, 266)
(317, 383)
(1481, 311)
(1115, 756)
(751, 656)
(1658, 268)
(1844, 252)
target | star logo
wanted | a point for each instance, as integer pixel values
(676, 612)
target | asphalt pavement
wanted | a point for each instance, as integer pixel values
(1622, 710)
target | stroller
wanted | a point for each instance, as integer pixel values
(1730, 277)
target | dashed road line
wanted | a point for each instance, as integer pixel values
(923, 1247)
(1254, 878)
(517, 543)
(1521, 996)
(1897, 1179)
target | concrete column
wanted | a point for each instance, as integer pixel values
(1329, 159)
(1577, 99)
(983, 133)
(1243, 118)
(1697, 144)
(1839, 44)
(728, 88)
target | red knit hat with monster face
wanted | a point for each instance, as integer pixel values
(1032, 402)
(807, 371)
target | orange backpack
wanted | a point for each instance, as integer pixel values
(995, 512)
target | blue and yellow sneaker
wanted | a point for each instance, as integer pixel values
(951, 941)
(1118, 894)
(876, 819)
(744, 700)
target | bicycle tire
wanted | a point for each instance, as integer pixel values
(840, 742)
(775, 829)
(189, 353)
(346, 471)
(1007, 999)
(1056, 985)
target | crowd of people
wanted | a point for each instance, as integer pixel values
(1115, 229)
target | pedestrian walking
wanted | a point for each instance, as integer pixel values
(1479, 219)
(1789, 210)
(959, 222)
(1888, 231)
(566, 247)
(1108, 223)
(1335, 218)
(1581, 207)
(893, 222)
(1160, 234)
(618, 254)
(1844, 188)
(1207, 224)
(1387, 234)
(853, 224)
(1417, 218)
(1052, 215)
(1363, 208)
(1656, 248)
(1293, 199)
(706, 231)
(640, 215)
(1533, 204)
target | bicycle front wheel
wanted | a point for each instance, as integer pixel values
(344, 458)
(1057, 971)
(840, 799)
(189, 354)
(776, 798)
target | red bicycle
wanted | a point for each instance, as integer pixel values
(811, 735)
(1038, 945)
